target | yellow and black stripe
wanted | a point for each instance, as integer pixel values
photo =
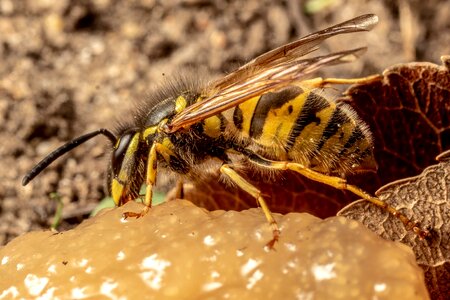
(310, 128)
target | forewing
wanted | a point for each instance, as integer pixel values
(296, 49)
(271, 71)
(258, 84)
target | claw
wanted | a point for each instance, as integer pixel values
(130, 214)
(275, 237)
(423, 234)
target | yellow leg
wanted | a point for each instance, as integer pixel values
(339, 183)
(253, 191)
(150, 180)
(320, 82)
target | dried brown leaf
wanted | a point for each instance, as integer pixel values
(408, 112)
(426, 199)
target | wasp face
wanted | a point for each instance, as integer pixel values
(125, 171)
(130, 153)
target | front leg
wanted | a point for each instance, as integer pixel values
(150, 177)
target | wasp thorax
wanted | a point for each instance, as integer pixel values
(166, 109)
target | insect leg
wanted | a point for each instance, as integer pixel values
(256, 193)
(150, 180)
(150, 177)
(320, 82)
(338, 183)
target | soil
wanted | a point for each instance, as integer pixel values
(71, 67)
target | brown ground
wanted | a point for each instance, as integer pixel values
(70, 67)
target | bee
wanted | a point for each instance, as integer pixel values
(266, 115)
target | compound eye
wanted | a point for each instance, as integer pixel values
(119, 152)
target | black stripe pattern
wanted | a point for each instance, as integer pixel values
(308, 115)
(338, 118)
(268, 102)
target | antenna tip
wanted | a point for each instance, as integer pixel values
(25, 181)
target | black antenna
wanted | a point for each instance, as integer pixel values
(64, 149)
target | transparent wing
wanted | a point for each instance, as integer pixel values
(272, 71)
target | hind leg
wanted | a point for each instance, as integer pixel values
(338, 183)
(320, 82)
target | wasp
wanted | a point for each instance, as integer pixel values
(266, 115)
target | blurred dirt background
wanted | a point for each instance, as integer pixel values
(70, 67)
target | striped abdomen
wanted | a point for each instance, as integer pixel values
(305, 127)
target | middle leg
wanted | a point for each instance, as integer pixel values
(256, 193)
